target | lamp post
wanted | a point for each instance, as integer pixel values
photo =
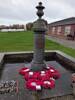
(39, 28)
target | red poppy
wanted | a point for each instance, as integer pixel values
(48, 84)
(33, 84)
(53, 72)
(24, 70)
(31, 75)
(43, 75)
(56, 75)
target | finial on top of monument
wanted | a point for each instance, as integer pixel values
(40, 8)
(40, 24)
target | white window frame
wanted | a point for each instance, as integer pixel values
(53, 30)
(59, 30)
(67, 30)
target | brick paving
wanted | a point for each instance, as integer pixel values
(65, 42)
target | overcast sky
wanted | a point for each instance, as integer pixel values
(23, 11)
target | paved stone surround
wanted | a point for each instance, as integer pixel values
(21, 56)
(1, 58)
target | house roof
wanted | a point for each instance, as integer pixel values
(64, 22)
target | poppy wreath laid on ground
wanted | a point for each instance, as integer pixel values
(33, 84)
(31, 75)
(53, 72)
(37, 80)
(48, 84)
(24, 70)
(44, 75)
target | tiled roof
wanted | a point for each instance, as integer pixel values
(64, 22)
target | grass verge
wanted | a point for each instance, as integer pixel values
(23, 41)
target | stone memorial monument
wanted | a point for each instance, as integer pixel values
(39, 28)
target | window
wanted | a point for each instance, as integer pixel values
(53, 30)
(67, 30)
(59, 30)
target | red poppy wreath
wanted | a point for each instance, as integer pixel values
(41, 79)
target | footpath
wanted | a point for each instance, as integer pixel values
(65, 42)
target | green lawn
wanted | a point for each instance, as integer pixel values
(16, 41)
(23, 41)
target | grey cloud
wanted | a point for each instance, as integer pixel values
(24, 10)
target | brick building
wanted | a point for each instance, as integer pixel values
(63, 27)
